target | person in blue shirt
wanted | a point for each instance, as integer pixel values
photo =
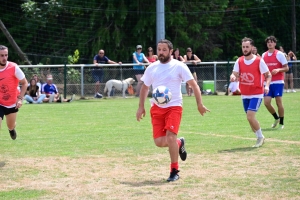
(97, 72)
(139, 58)
(51, 92)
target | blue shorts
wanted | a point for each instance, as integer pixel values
(252, 104)
(97, 75)
(276, 90)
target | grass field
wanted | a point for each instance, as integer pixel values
(95, 149)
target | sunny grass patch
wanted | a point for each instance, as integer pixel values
(88, 148)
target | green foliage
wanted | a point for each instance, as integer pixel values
(73, 75)
(213, 29)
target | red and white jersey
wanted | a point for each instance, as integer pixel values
(9, 82)
(251, 78)
(171, 75)
(275, 60)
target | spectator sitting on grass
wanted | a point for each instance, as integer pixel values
(51, 92)
(33, 94)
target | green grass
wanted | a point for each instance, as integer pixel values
(79, 144)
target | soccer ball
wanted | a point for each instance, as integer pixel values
(162, 95)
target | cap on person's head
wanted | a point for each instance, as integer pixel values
(139, 47)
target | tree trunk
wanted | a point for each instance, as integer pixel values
(13, 43)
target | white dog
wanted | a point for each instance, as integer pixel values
(119, 85)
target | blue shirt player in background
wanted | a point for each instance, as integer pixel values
(97, 72)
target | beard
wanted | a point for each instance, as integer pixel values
(164, 59)
(247, 54)
(2, 64)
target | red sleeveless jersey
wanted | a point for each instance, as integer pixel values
(273, 63)
(8, 85)
(251, 79)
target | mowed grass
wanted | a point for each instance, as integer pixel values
(95, 149)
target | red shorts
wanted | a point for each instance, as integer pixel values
(164, 119)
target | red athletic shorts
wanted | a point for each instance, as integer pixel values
(164, 119)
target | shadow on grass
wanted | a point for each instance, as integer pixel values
(145, 183)
(236, 150)
(2, 163)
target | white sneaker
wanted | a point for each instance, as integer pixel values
(51, 98)
(275, 123)
(259, 142)
(288, 91)
(72, 98)
(281, 126)
(293, 90)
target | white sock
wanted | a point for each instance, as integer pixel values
(259, 133)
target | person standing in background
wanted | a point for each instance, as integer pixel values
(139, 58)
(176, 55)
(277, 64)
(151, 56)
(97, 72)
(10, 97)
(288, 80)
(190, 57)
(254, 51)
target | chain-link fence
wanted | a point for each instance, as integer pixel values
(78, 79)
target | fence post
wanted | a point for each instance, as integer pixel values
(65, 80)
(82, 81)
(215, 77)
(228, 75)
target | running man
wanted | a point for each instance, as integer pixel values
(249, 69)
(166, 119)
(277, 63)
(10, 97)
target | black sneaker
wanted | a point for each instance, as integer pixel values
(13, 134)
(182, 151)
(174, 176)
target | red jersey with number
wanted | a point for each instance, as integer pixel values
(273, 63)
(251, 79)
(8, 85)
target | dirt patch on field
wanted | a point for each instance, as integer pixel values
(225, 175)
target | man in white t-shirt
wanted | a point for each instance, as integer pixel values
(166, 118)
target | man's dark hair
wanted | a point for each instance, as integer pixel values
(245, 39)
(170, 45)
(2, 47)
(271, 38)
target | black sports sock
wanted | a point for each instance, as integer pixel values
(281, 120)
(275, 116)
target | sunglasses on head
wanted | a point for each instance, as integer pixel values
(139, 48)
(101, 53)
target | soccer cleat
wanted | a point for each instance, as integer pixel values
(275, 123)
(281, 126)
(288, 91)
(98, 95)
(182, 151)
(13, 134)
(259, 142)
(293, 90)
(174, 176)
(51, 98)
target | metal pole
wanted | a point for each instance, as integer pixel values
(65, 80)
(82, 81)
(160, 20)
